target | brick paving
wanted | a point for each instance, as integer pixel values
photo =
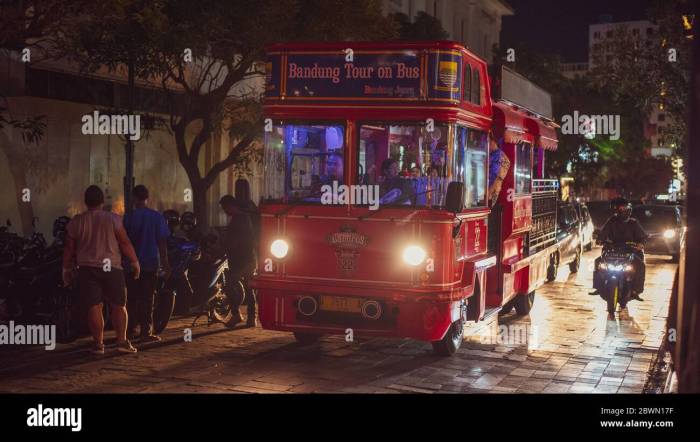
(570, 348)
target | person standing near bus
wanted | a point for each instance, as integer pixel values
(95, 241)
(239, 243)
(499, 164)
(148, 231)
(246, 204)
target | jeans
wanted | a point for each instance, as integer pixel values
(141, 294)
(243, 274)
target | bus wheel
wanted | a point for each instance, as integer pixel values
(306, 338)
(574, 265)
(449, 345)
(553, 268)
(523, 303)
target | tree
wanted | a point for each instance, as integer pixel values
(652, 71)
(24, 26)
(600, 161)
(423, 27)
(213, 89)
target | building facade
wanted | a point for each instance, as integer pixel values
(58, 168)
(474, 23)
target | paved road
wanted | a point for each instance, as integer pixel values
(565, 345)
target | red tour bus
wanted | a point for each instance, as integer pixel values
(374, 208)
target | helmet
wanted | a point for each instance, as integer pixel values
(621, 207)
(172, 217)
(188, 221)
(59, 226)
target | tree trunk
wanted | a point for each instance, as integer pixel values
(199, 203)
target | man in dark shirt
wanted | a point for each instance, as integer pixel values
(239, 243)
(620, 229)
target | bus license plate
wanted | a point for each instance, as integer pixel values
(341, 304)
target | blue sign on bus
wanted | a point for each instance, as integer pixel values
(369, 76)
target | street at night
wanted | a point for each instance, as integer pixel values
(476, 214)
(577, 351)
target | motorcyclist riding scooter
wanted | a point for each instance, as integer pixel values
(621, 231)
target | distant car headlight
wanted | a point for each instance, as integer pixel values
(629, 268)
(414, 255)
(669, 233)
(603, 266)
(279, 248)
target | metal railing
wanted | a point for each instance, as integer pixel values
(545, 185)
(545, 193)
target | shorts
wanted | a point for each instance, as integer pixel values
(97, 286)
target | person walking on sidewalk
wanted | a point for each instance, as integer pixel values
(148, 232)
(95, 241)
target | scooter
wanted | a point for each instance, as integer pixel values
(210, 292)
(181, 254)
(618, 272)
(201, 285)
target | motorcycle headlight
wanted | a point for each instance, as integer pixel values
(414, 255)
(279, 248)
(669, 233)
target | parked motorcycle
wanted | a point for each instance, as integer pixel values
(181, 254)
(30, 279)
(200, 281)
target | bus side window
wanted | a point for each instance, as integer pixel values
(476, 87)
(467, 91)
(523, 168)
(472, 162)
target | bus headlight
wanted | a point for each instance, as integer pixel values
(279, 248)
(414, 255)
(669, 233)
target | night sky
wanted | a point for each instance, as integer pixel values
(561, 26)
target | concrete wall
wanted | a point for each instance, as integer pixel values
(65, 162)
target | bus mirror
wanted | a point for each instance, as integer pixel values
(454, 200)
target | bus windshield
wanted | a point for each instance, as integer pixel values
(413, 165)
(299, 159)
(397, 164)
(407, 162)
